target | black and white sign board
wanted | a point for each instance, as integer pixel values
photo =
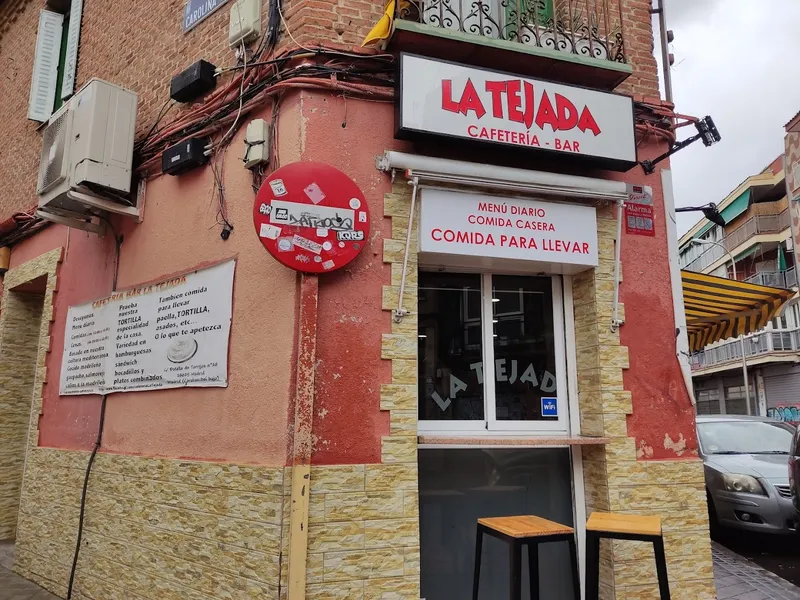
(163, 335)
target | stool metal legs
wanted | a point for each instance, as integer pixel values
(476, 578)
(533, 570)
(515, 560)
(593, 561)
(661, 568)
(515, 581)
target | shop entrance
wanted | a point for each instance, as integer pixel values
(20, 327)
(492, 364)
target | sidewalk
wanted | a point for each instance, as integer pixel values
(736, 579)
(739, 579)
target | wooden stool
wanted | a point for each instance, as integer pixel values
(519, 531)
(622, 527)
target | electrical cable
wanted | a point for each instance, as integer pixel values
(99, 440)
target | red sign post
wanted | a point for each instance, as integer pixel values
(311, 217)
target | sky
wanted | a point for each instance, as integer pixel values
(738, 61)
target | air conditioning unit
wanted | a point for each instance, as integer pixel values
(87, 158)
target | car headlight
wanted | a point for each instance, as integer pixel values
(742, 483)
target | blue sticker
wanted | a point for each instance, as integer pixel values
(549, 407)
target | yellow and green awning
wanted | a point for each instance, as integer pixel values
(719, 308)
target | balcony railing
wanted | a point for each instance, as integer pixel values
(759, 224)
(589, 28)
(767, 341)
(780, 279)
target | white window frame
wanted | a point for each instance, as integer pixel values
(491, 426)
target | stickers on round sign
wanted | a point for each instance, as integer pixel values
(311, 217)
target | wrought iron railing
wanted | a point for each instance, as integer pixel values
(766, 341)
(591, 28)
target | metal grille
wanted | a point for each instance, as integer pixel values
(53, 147)
(784, 490)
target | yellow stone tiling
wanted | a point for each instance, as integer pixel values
(591, 423)
(677, 544)
(398, 346)
(336, 536)
(656, 497)
(679, 569)
(357, 506)
(391, 477)
(391, 294)
(412, 275)
(88, 587)
(411, 504)
(260, 566)
(398, 448)
(391, 533)
(620, 449)
(394, 251)
(344, 590)
(628, 473)
(404, 371)
(398, 397)
(403, 422)
(315, 567)
(615, 425)
(397, 204)
(338, 478)
(677, 471)
(395, 588)
(616, 402)
(139, 581)
(363, 564)
(201, 578)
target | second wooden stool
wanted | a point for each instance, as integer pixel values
(622, 527)
(520, 531)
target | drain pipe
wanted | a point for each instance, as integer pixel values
(662, 25)
(615, 320)
(401, 311)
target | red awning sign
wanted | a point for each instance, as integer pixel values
(311, 217)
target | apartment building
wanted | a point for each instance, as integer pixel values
(758, 238)
(385, 292)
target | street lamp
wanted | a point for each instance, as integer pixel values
(741, 337)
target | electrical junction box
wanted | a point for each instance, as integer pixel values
(184, 156)
(257, 141)
(194, 81)
(245, 23)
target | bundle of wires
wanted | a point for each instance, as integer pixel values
(255, 84)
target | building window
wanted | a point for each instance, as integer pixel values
(55, 62)
(708, 402)
(491, 353)
(735, 402)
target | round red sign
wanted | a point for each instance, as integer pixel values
(311, 217)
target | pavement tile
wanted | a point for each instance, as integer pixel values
(736, 578)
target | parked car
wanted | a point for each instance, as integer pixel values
(794, 471)
(746, 467)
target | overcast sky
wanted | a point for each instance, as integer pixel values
(738, 61)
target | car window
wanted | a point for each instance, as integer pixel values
(745, 437)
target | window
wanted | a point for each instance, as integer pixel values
(55, 62)
(735, 402)
(491, 353)
(708, 402)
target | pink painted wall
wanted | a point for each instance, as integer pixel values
(348, 423)
(662, 421)
(251, 420)
(245, 422)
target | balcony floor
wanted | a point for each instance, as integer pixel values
(514, 57)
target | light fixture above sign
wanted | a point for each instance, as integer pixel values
(448, 100)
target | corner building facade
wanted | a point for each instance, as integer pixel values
(495, 385)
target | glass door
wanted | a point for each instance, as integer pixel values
(491, 354)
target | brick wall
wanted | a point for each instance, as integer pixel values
(142, 47)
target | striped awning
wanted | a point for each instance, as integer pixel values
(719, 308)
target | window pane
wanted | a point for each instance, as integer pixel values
(457, 487)
(450, 347)
(524, 347)
(708, 402)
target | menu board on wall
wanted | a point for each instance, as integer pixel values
(158, 336)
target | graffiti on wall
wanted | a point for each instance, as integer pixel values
(788, 414)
